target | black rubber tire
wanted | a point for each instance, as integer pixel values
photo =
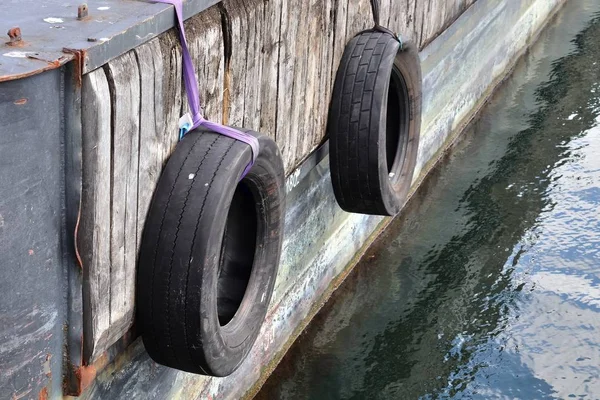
(210, 253)
(374, 121)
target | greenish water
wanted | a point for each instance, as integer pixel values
(488, 285)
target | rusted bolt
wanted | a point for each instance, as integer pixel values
(82, 11)
(15, 36)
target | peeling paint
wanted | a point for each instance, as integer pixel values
(86, 376)
(19, 54)
(53, 20)
(43, 394)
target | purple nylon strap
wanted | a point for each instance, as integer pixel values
(191, 88)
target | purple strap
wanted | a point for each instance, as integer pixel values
(191, 88)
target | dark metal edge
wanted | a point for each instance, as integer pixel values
(130, 34)
(72, 383)
(295, 178)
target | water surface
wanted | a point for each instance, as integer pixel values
(488, 284)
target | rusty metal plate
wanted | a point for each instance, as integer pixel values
(53, 32)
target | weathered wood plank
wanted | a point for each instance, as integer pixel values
(324, 73)
(124, 81)
(359, 17)
(340, 13)
(245, 20)
(312, 128)
(287, 42)
(155, 141)
(94, 226)
(270, 49)
(237, 50)
(253, 72)
(205, 39)
(402, 18)
(172, 97)
(299, 90)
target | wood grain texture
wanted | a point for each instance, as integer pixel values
(268, 65)
(124, 81)
(94, 227)
(206, 44)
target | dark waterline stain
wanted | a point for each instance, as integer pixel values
(488, 284)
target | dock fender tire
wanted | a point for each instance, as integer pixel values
(374, 123)
(210, 252)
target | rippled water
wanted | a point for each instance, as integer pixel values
(488, 285)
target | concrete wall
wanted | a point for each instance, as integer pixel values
(460, 68)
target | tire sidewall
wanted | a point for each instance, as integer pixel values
(225, 347)
(407, 62)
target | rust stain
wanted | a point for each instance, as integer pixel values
(20, 102)
(80, 56)
(82, 12)
(49, 66)
(86, 376)
(102, 361)
(15, 37)
(43, 394)
(18, 43)
(52, 63)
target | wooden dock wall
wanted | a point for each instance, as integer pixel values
(265, 65)
(460, 69)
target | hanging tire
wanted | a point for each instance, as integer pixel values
(210, 252)
(374, 123)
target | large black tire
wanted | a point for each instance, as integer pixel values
(374, 124)
(210, 253)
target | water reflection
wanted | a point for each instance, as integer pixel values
(488, 286)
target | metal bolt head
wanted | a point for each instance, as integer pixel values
(15, 35)
(82, 11)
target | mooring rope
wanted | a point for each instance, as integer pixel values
(375, 9)
(187, 122)
(377, 22)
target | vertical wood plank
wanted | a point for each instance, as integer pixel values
(299, 93)
(205, 38)
(253, 73)
(288, 40)
(246, 18)
(172, 96)
(94, 229)
(384, 12)
(271, 31)
(360, 17)
(325, 74)
(340, 10)
(239, 30)
(123, 77)
(402, 18)
(317, 91)
(154, 143)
